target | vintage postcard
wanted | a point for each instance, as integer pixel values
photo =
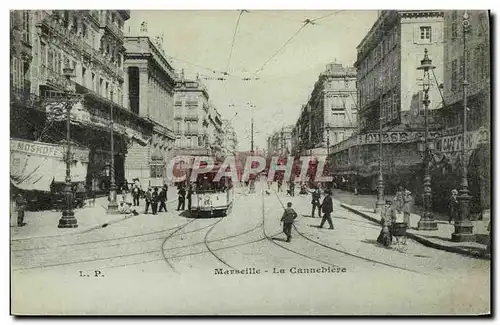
(250, 162)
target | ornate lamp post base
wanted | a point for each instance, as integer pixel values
(463, 226)
(68, 220)
(463, 232)
(112, 205)
(427, 224)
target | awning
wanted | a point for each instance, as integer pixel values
(34, 165)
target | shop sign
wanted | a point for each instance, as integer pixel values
(455, 143)
(46, 149)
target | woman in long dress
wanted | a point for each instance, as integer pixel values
(388, 216)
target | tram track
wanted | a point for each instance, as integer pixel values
(348, 253)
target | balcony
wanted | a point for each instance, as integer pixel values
(194, 131)
(54, 79)
(111, 27)
(191, 117)
(178, 117)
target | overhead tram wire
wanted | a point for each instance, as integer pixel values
(234, 38)
(281, 48)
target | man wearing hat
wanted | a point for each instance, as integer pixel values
(289, 216)
(327, 208)
(453, 205)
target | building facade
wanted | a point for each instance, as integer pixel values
(341, 112)
(280, 142)
(191, 117)
(89, 44)
(478, 70)
(389, 83)
(149, 82)
(230, 139)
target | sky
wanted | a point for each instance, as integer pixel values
(201, 42)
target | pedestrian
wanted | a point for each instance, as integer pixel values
(292, 188)
(162, 197)
(154, 201)
(189, 194)
(398, 200)
(148, 197)
(136, 192)
(280, 183)
(289, 216)
(327, 208)
(453, 206)
(181, 198)
(407, 202)
(315, 202)
(387, 218)
(21, 203)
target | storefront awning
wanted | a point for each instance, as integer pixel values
(35, 165)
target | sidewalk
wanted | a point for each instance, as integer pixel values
(42, 224)
(441, 238)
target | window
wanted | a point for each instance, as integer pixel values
(26, 27)
(84, 31)
(425, 33)
(188, 142)
(43, 54)
(200, 141)
(454, 25)
(178, 127)
(157, 170)
(454, 75)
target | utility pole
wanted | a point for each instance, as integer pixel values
(380, 196)
(113, 205)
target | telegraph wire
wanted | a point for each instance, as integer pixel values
(263, 12)
(234, 38)
(325, 16)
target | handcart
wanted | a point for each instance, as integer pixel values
(398, 231)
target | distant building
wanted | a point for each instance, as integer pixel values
(191, 117)
(149, 92)
(280, 142)
(230, 138)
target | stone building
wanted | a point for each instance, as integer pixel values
(389, 83)
(478, 67)
(330, 115)
(90, 44)
(149, 85)
(230, 139)
(280, 142)
(197, 124)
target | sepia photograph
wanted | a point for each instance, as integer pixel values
(250, 162)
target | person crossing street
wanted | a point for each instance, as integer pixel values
(315, 202)
(327, 208)
(149, 197)
(162, 197)
(181, 198)
(289, 216)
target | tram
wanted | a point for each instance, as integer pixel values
(212, 198)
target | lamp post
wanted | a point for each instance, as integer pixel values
(380, 183)
(463, 226)
(112, 205)
(426, 221)
(68, 219)
(328, 153)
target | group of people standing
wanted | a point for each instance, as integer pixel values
(153, 198)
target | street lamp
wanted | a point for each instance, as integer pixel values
(68, 219)
(112, 205)
(426, 221)
(463, 226)
(380, 183)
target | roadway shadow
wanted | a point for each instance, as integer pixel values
(375, 243)
(278, 239)
(314, 226)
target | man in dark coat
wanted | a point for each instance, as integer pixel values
(21, 206)
(316, 197)
(289, 216)
(181, 198)
(136, 192)
(327, 208)
(154, 201)
(189, 194)
(149, 197)
(162, 197)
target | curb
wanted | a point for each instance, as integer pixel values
(480, 254)
(87, 229)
